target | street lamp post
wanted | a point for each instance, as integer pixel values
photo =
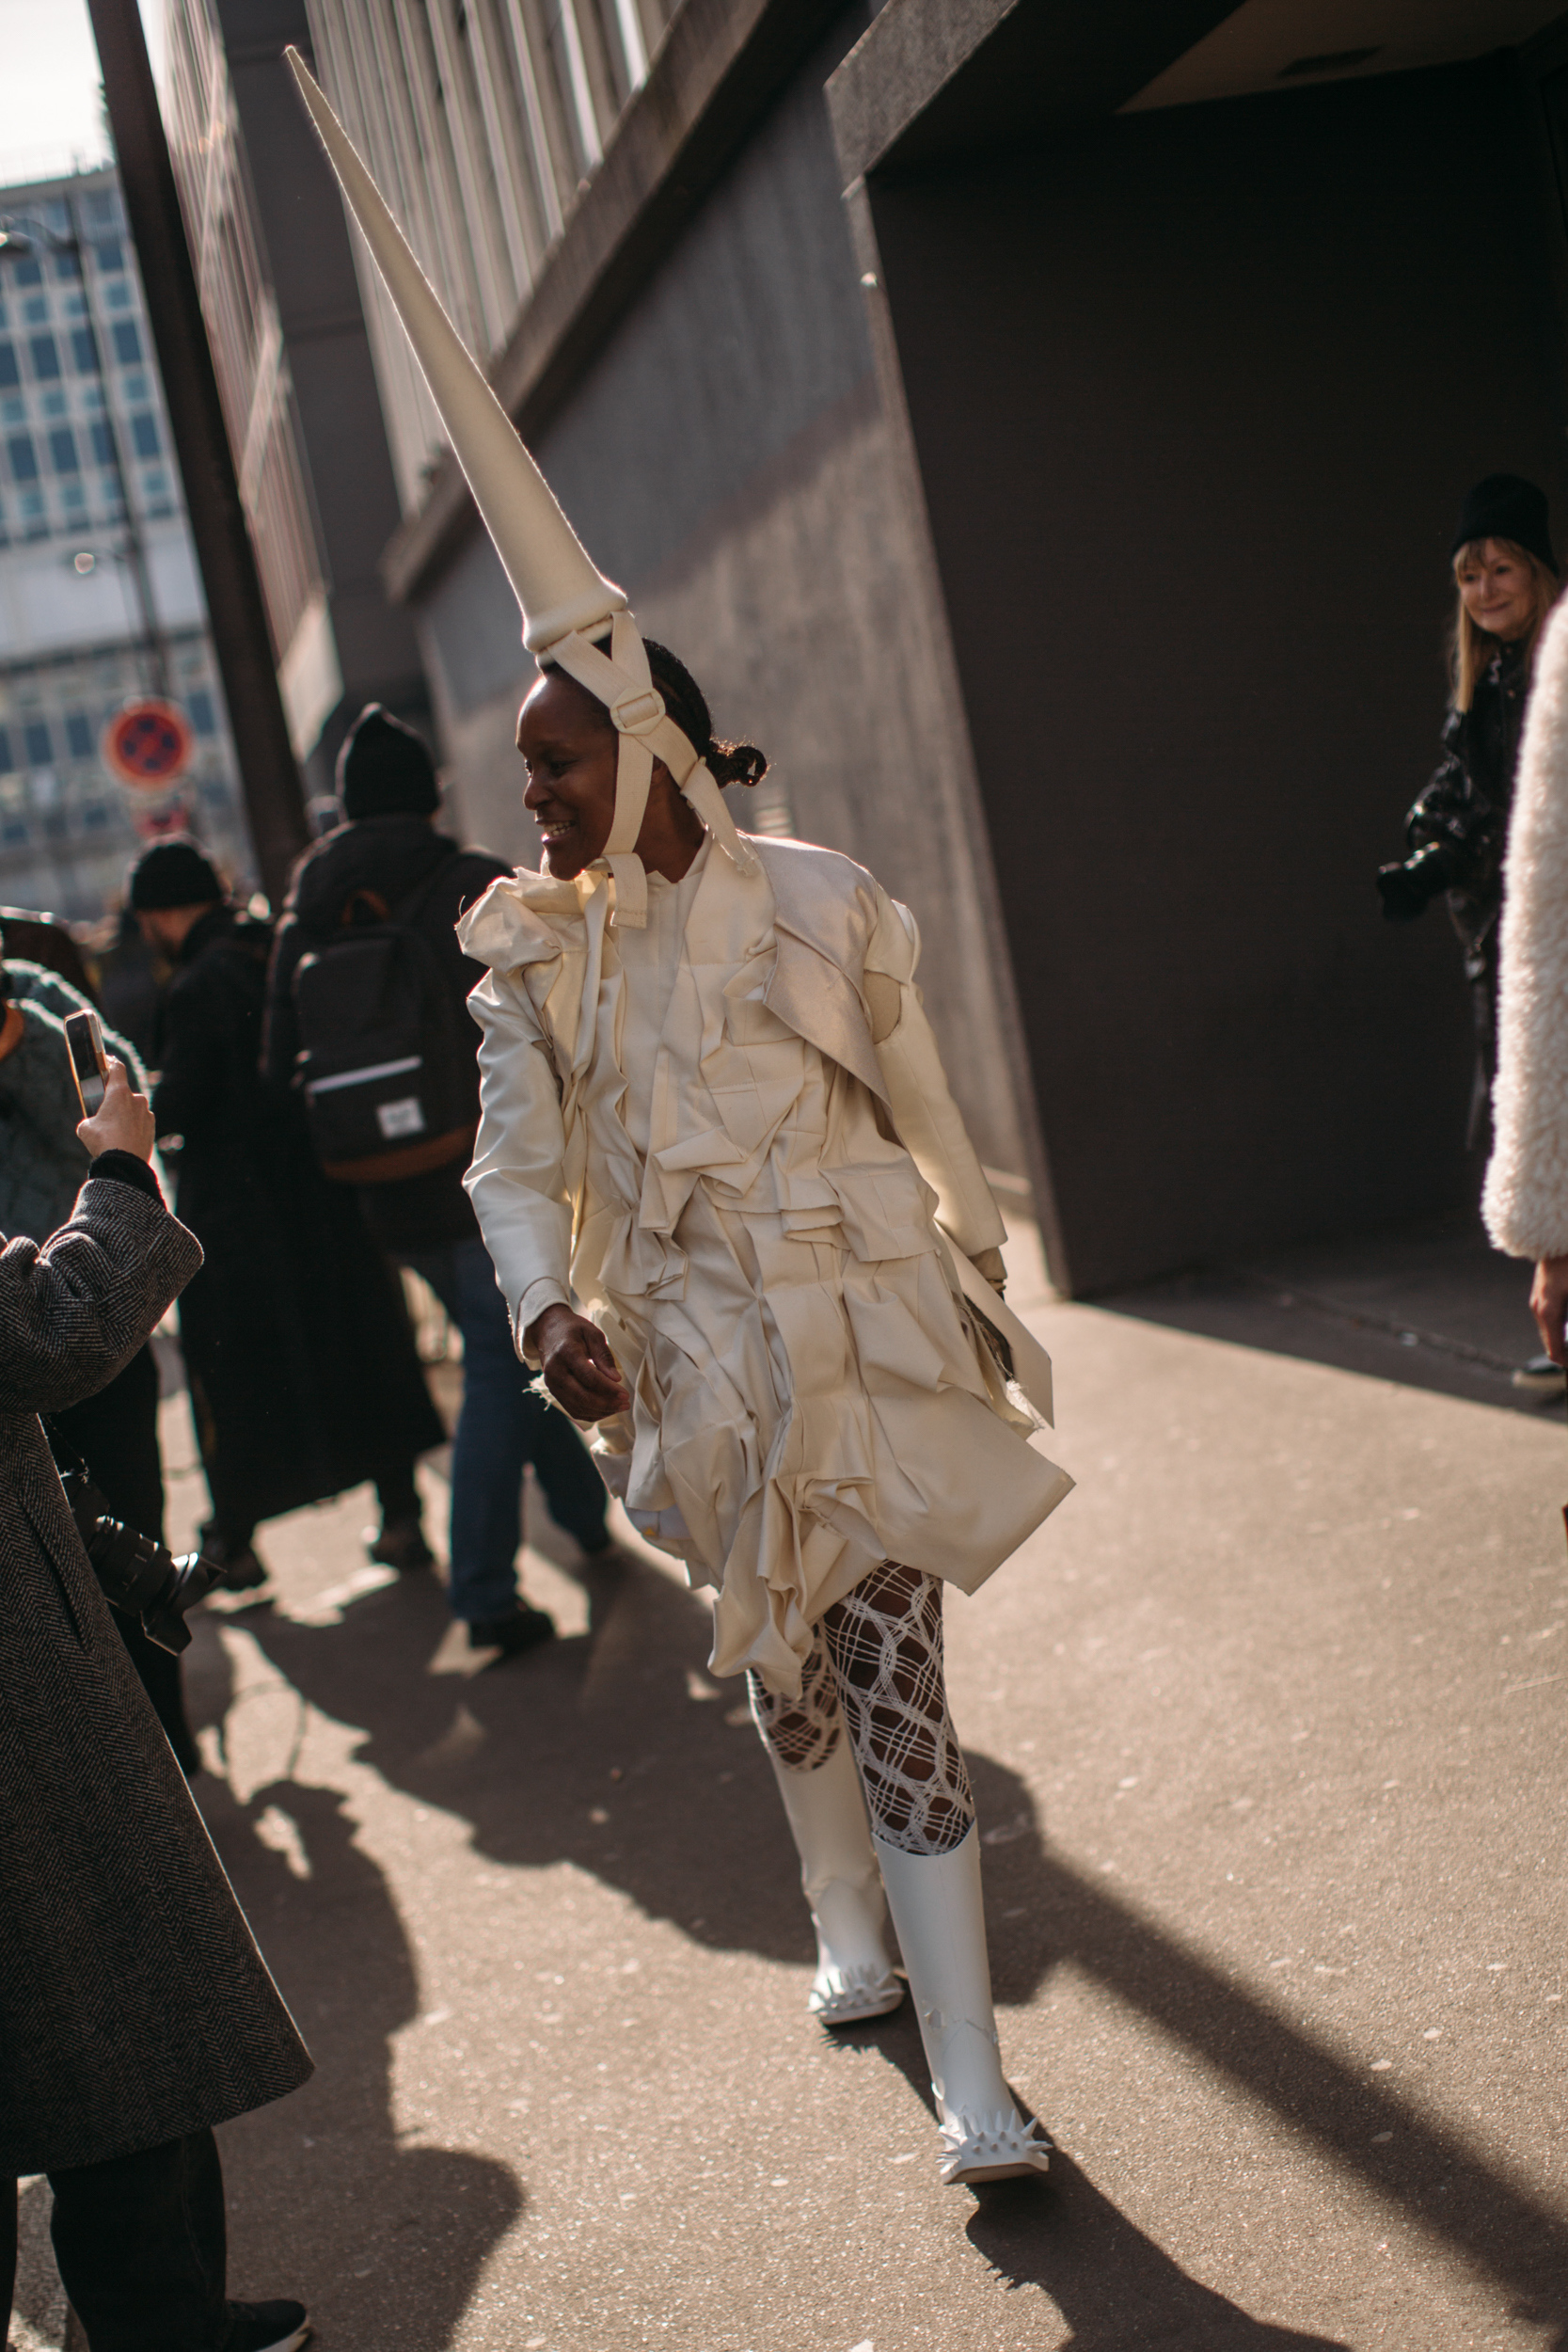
(21, 234)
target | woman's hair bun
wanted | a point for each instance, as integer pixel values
(735, 763)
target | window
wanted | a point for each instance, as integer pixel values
(46, 358)
(83, 350)
(13, 412)
(35, 736)
(54, 405)
(118, 295)
(101, 208)
(73, 494)
(144, 434)
(127, 343)
(62, 450)
(34, 309)
(135, 389)
(28, 273)
(203, 717)
(78, 735)
(23, 457)
(102, 443)
(95, 816)
(67, 266)
(6, 762)
(110, 257)
(9, 372)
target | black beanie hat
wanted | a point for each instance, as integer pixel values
(1506, 506)
(384, 769)
(173, 873)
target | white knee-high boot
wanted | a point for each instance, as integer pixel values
(935, 1901)
(828, 1820)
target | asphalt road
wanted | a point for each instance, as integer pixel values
(1265, 1733)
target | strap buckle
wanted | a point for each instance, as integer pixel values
(638, 712)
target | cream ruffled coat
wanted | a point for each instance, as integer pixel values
(1526, 1200)
(810, 1396)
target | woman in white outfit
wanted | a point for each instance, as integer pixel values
(712, 1110)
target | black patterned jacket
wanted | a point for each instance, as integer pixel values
(133, 2005)
(1466, 805)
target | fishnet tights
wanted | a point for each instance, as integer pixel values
(876, 1667)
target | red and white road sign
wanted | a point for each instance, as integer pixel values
(148, 743)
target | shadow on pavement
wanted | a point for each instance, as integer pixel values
(1432, 1306)
(1405, 2157)
(373, 2228)
(613, 1751)
(1111, 2284)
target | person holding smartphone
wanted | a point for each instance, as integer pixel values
(42, 1168)
(136, 2011)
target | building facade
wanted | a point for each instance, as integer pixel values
(991, 401)
(100, 600)
(281, 304)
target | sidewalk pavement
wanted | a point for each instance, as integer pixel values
(1265, 1732)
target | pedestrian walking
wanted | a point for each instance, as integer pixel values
(385, 883)
(304, 1378)
(42, 1168)
(711, 1106)
(136, 2011)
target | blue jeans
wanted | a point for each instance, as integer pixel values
(501, 1427)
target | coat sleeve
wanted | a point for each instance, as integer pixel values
(924, 1111)
(75, 1310)
(1526, 1199)
(517, 1181)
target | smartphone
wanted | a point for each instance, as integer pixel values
(90, 1064)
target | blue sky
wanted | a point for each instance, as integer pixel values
(49, 113)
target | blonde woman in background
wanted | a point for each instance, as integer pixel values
(1507, 578)
(1506, 575)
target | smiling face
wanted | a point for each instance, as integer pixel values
(1497, 588)
(570, 750)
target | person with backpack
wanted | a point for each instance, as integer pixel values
(368, 1019)
(304, 1377)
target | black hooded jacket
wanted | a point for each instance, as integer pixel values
(394, 858)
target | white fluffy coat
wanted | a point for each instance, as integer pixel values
(1525, 1200)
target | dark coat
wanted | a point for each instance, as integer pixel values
(304, 1377)
(1464, 809)
(392, 858)
(133, 2005)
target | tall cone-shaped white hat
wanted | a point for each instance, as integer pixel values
(558, 587)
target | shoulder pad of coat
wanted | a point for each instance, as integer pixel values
(518, 920)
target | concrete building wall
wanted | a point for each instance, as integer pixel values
(727, 457)
(1195, 395)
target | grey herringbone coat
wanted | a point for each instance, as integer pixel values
(133, 2005)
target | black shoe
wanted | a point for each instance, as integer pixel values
(525, 1629)
(267, 2327)
(401, 1544)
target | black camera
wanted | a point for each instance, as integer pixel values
(1410, 887)
(136, 1574)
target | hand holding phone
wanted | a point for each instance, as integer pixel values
(90, 1064)
(122, 1122)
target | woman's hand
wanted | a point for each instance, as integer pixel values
(1549, 1304)
(579, 1371)
(122, 1122)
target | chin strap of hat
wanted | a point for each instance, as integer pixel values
(622, 681)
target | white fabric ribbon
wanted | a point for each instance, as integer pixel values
(622, 681)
